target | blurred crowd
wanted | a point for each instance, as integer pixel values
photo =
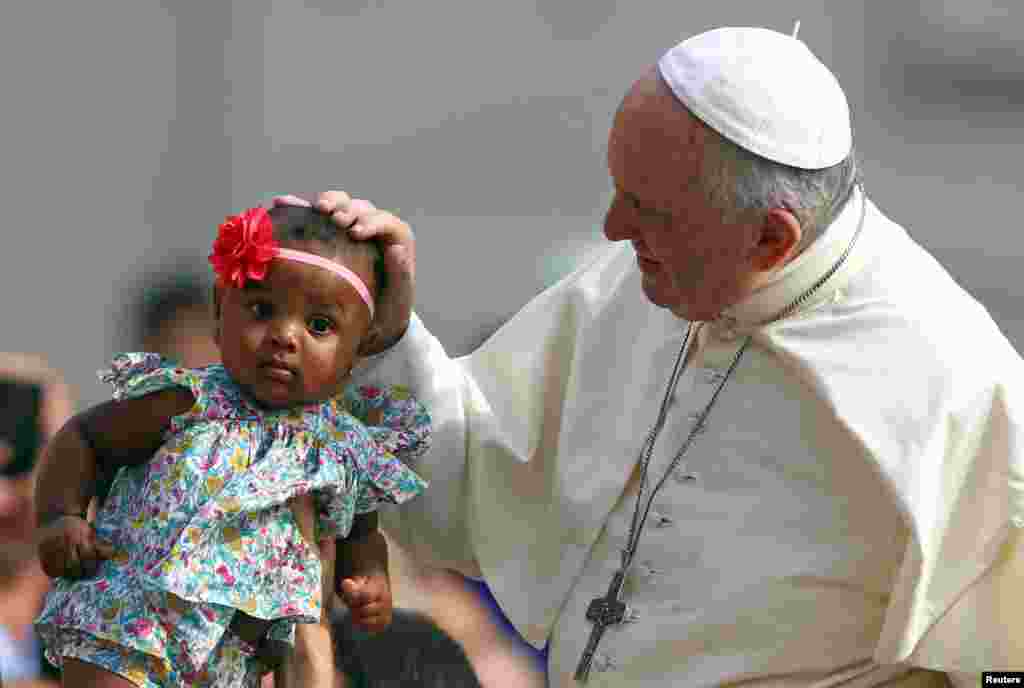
(446, 631)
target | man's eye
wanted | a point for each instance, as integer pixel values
(643, 210)
(320, 325)
(260, 309)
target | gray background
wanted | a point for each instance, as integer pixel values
(132, 128)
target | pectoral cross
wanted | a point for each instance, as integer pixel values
(602, 612)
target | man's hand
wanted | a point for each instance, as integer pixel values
(69, 548)
(369, 600)
(362, 220)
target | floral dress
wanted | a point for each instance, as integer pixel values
(204, 529)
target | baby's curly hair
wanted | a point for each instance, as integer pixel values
(298, 223)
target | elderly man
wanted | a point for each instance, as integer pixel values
(763, 438)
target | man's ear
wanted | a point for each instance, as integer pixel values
(779, 240)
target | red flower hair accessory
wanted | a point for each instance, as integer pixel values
(244, 247)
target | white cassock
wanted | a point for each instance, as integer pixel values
(851, 514)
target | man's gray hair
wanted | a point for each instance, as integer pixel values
(739, 183)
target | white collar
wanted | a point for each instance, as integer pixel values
(799, 275)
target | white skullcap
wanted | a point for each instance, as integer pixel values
(765, 91)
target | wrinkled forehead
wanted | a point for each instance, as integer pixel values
(654, 136)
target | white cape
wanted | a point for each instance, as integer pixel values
(549, 415)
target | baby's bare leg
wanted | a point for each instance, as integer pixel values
(79, 674)
(311, 662)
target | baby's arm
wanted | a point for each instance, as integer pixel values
(311, 661)
(103, 438)
(362, 574)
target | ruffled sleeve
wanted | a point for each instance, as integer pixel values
(396, 420)
(394, 430)
(135, 375)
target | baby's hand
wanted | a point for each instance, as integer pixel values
(69, 548)
(369, 600)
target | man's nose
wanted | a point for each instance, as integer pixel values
(618, 225)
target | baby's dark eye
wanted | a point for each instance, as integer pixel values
(320, 325)
(260, 309)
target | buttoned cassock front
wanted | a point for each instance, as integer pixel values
(853, 508)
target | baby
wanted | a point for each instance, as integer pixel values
(204, 554)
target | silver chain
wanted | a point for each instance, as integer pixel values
(637, 524)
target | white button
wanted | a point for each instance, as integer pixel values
(660, 520)
(603, 662)
(687, 477)
(712, 376)
(694, 419)
(648, 570)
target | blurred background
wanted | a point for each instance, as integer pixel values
(131, 129)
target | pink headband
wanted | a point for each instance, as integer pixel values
(245, 246)
(338, 269)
